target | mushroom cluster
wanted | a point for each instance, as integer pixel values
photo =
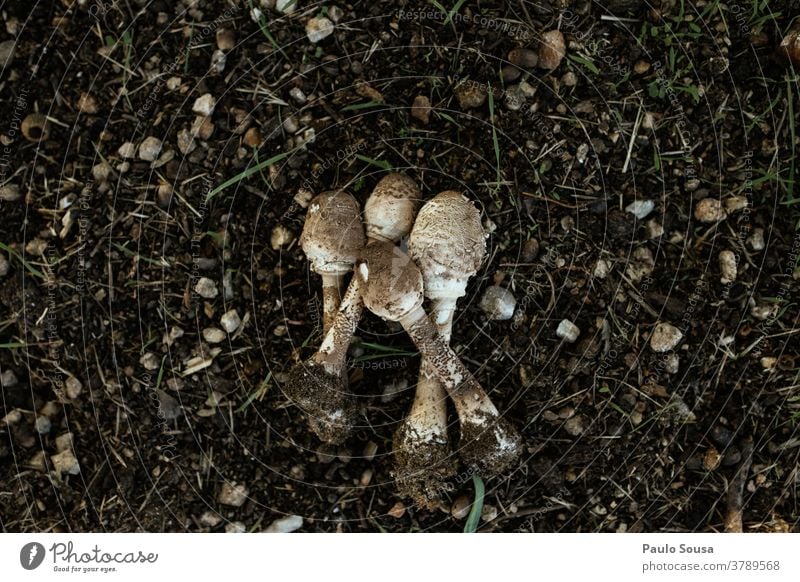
(446, 247)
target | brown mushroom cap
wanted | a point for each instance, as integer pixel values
(448, 244)
(390, 210)
(333, 235)
(391, 284)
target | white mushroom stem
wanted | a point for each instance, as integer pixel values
(332, 284)
(393, 289)
(319, 385)
(428, 415)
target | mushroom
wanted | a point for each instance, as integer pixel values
(332, 238)
(448, 245)
(319, 384)
(392, 288)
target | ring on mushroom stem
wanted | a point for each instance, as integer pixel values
(319, 385)
(448, 245)
(393, 289)
(332, 238)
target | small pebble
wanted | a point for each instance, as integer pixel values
(461, 506)
(10, 193)
(297, 94)
(552, 50)
(568, 331)
(233, 494)
(665, 337)
(285, 525)
(654, 229)
(712, 459)
(213, 335)
(149, 149)
(601, 269)
(318, 28)
(280, 237)
(64, 442)
(672, 363)
(8, 379)
(226, 39)
(756, 240)
(210, 519)
(230, 321)
(710, 210)
(73, 387)
(5, 266)
(421, 109)
(397, 510)
(574, 426)
(235, 527)
(206, 288)
(204, 105)
(87, 104)
(498, 303)
(65, 463)
(523, 58)
(471, 95)
(727, 266)
(736, 203)
(186, 143)
(640, 208)
(43, 425)
(7, 50)
(286, 6)
(150, 361)
(488, 513)
(127, 150)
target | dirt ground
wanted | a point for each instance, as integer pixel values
(135, 212)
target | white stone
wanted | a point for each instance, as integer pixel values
(230, 321)
(640, 208)
(672, 363)
(206, 288)
(286, 6)
(213, 335)
(568, 331)
(285, 524)
(233, 494)
(73, 387)
(65, 462)
(756, 240)
(318, 28)
(498, 303)
(126, 150)
(601, 269)
(10, 193)
(150, 148)
(8, 379)
(665, 337)
(204, 105)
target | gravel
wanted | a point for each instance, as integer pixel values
(285, 524)
(568, 331)
(640, 208)
(150, 149)
(665, 337)
(206, 288)
(204, 105)
(498, 303)
(319, 28)
(233, 494)
(230, 321)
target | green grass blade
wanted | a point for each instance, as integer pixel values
(474, 518)
(246, 174)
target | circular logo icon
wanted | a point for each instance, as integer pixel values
(31, 555)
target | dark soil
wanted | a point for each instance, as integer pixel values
(104, 256)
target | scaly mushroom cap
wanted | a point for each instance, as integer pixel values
(391, 208)
(332, 235)
(391, 284)
(448, 243)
